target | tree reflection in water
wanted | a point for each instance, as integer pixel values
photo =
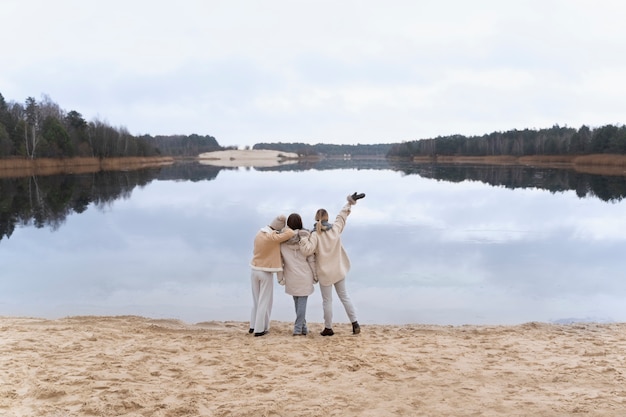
(48, 200)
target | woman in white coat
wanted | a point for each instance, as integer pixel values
(299, 272)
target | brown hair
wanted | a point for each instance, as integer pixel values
(321, 215)
(294, 221)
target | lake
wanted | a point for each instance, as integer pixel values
(430, 244)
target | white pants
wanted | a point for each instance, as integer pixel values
(262, 297)
(327, 302)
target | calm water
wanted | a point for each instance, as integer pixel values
(428, 244)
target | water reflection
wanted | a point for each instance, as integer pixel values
(176, 242)
(48, 200)
(606, 188)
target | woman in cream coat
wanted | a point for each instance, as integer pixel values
(298, 274)
(332, 262)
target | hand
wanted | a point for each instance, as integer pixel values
(354, 197)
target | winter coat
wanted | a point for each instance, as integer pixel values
(266, 252)
(298, 269)
(330, 256)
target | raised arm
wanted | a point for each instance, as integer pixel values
(340, 220)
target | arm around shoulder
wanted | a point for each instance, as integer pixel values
(283, 235)
(308, 243)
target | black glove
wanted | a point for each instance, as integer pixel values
(356, 196)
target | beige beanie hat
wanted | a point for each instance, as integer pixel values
(278, 223)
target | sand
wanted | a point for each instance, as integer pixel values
(248, 158)
(133, 366)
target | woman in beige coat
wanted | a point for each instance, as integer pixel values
(332, 262)
(298, 274)
(265, 262)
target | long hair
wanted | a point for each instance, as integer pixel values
(321, 215)
(294, 221)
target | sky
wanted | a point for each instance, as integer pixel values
(344, 72)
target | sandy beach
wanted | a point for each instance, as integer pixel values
(134, 366)
(262, 158)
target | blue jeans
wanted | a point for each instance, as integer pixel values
(299, 326)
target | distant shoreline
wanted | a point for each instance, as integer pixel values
(22, 167)
(598, 164)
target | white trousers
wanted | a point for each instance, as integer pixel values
(262, 298)
(327, 302)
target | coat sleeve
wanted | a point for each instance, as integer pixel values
(308, 244)
(280, 277)
(283, 235)
(342, 217)
(313, 265)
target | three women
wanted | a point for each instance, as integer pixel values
(319, 255)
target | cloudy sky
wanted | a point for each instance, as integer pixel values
(354, 71)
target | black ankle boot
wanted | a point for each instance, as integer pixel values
(356, 329)
(327, 332)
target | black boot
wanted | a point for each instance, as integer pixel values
(356, 329)
(327, 332)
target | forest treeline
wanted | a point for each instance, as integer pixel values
(42, 129)
(305, 149)
(556, 140)
(183, 145)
